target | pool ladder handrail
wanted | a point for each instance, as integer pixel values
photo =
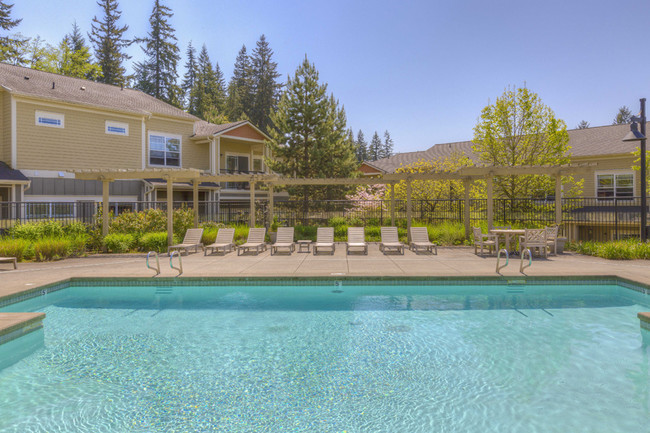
(530, 259)
(157, 268)
(180, 262)
(502, 250)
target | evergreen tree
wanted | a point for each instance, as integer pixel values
(191, 71)
(583, 124)
(11, 46)
(361, 147)
(74, 58)
(623, 116)
(108, 40)
(375, 148)
(309, 136)
(157, 74)
(240, 93)
(221, 90)
(387, 149)
(265, 88)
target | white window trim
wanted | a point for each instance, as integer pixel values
(111, 123)
(614, 172)
(167, 135)
(57, 116)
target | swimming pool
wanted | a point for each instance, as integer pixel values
(332, 356)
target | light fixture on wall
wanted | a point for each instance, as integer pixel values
(639, 135)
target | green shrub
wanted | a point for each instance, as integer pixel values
(119, 242)
(613, 250)
(337, 221)
(156, 241)
(52, 249)
(241, 233)
(373, 234)
(75, 229)
(39, 230)
(306, 232)
(21, 249)
(183, 220)
(340, 233)
(209, 235)
(78, 244)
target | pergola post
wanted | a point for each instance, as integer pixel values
(170, 211)
(105, 203)
(490, 202)
(408, 208)
(558, 199)
(252, 208)
(466, 216)
(270, 205)
(392, 204)
(195, 201)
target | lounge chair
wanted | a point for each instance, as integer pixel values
(482, 240)
(224, 242)
(390, 240)
(324, 239)
(420, 241)
(551, 239)
(534, 239)
(356, 239)
(255, 241)
(284, 239)
(9, 260)
(192, 240)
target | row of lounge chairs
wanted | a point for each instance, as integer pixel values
(224, 241)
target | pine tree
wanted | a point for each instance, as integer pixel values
(240, 93)
(108, 40)
(361, 147)
(74, 58)
(191, 71)
(374, 150)
(623, 116)
(11, 46)
(583, 124)
(309, 136)
(265, 88)
(387, 149)
(221, 90)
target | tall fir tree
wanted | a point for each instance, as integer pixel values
(387, 149)
(309, 136)
(221, 90)
(107, 37)
(375, 148)
(191, 71)
(361, 147)
(240, 92)
(74, 57)
(11, 46)
(264, 85)
(157, 74)
(623, 116)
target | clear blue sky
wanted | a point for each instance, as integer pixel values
(421, 69)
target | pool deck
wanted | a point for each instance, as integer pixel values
(449, 262)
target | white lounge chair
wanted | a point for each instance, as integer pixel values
(9, 260)
(420, 241)
(390, 240)
(324, 239)
(356, 239)
(284, 239)
(192, 240)
(482, 240)
(534, 239)
(224, 242)
(255, 241)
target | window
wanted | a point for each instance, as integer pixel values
(164, 150)
(614, 185)
(257, 165)
(53, 120)
(117, 128)
(236, 164)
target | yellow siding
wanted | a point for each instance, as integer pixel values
(194, 155)
(81, 144)
(618, 163)
(5, 137)
(239, 147)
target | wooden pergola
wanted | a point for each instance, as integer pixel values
(196, 177)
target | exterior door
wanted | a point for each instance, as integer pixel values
(5, 197)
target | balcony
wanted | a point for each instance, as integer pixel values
(237, 186)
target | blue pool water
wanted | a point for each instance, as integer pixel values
(322, 358)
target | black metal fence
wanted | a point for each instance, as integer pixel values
(582, 218)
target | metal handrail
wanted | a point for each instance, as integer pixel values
(157, 268)
(530, 260)
(502, 250)
(180, 262)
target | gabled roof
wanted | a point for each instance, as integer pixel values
(19, 80)
(207, 129)
(589, 142)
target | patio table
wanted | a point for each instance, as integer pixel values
(508, 234)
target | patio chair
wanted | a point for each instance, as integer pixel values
(254, 241)
(420, 241)
(284, 239)
(9, 260)
(481, 240)
(356, 239)
(224, 242)
(324, 239)
(390, 240)
(534, 239)
(551, 238)
(192, 240)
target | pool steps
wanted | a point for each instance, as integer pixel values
(15, 325)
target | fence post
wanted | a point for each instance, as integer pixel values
(392, 204)
(408, 208)
(615, 218)
(195, 202)
(252, 204)
(490, 203)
